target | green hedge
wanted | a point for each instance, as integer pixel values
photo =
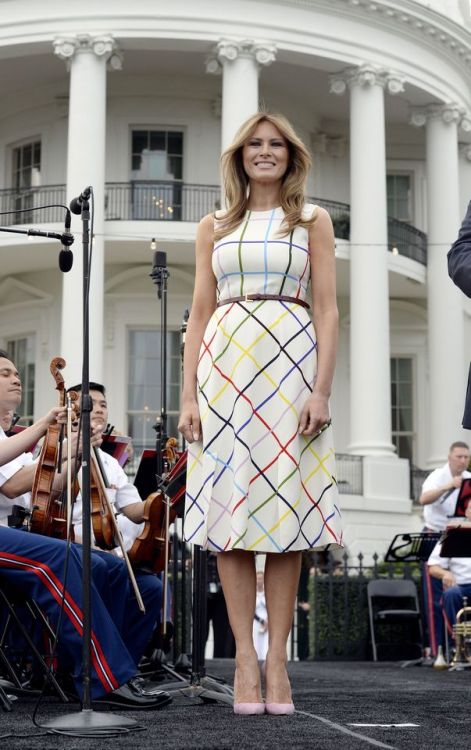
(338, 619)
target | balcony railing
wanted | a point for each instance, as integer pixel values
(160, 201)
(17, 201)
(180, 201)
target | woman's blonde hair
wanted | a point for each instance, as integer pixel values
(236, 182)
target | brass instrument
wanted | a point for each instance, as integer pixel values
(462, 633)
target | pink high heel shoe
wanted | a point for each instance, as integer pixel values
(249, 709)
(279, 709)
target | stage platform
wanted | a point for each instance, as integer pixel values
(352, 706)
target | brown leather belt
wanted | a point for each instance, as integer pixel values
(261, 298)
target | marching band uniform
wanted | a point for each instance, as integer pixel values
(35, 565)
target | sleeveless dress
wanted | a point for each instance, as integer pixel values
(253, 483)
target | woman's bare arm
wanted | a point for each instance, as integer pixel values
(325, 317)
(203, 306)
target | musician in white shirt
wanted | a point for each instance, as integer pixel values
(455, 575)
(440, 489)
(439, 495)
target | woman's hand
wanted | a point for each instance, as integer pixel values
(315, 414)
(189, 423)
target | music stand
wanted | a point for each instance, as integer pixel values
(415, 547)
(409, 548)
(456, 541)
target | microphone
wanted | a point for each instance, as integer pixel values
(159, 270)
(66, 257)
(76, 203)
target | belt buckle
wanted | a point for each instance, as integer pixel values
(248, 298)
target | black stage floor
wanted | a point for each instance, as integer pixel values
(354, 706)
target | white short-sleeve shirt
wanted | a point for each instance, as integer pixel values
(459, 566)
(6, 472)
(438, 514)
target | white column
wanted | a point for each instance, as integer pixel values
(240, 62)
(370, 389)
(445, 302)
(87, 57)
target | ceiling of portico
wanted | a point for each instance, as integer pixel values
(39, 78)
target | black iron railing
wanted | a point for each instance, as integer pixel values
(17, 201)
(158, 200)
(406, 240)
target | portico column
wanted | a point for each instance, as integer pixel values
(370, 390)
(240, 61)
(87, 57)
(445, 302)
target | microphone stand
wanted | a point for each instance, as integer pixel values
(208, 689)
(87, 721)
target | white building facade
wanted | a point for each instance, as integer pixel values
(138, 102)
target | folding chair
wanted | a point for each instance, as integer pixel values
(9, 601)
(395, 622)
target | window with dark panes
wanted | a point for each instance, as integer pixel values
(21, 353)
(402, 406)
(399, 194)
(26, 176)
(156, 174)
(145, 387)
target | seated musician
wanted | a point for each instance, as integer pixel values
(35, 565)
(125, 499)
(455, 575)
(439, 495)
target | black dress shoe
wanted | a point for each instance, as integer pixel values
(144, 686)
(128, 696)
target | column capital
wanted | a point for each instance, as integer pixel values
(465, 150)
(366, 75)
(447, 113)
(101, 45)
(228, 50)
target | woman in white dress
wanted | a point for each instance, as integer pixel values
(255, 399)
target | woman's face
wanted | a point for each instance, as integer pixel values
(265, 155)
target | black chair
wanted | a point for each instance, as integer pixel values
(395, 622)
(12, 605)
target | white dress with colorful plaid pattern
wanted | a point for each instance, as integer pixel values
(253, 483)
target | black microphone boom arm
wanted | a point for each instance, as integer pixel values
(66, 238)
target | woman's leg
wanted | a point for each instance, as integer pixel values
(237, 573)
(281, 587)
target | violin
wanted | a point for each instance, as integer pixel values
(100, 509)
(49, 515)
(151, 547)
